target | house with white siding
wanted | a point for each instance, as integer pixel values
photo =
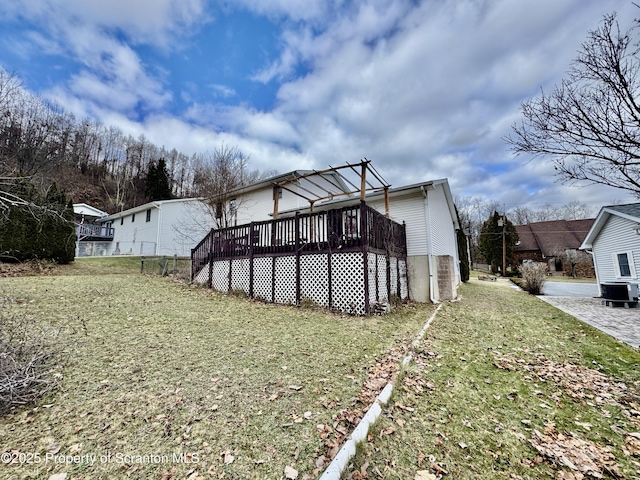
(426, 210)
(614, 242)
(164, 227)
(428, 213)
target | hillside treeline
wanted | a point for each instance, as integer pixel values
(96, 163)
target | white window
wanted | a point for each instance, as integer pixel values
(623, 264)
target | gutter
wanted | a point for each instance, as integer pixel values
(595, 268)
(429, 245)
(159, 205)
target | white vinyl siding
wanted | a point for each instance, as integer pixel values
(617, 236)
(443, 233)
(408, 209)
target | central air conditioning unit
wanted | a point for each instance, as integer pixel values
(618, 293)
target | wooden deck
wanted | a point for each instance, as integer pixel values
(88, 231)
(357, 229)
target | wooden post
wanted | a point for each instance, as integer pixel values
(386, 201)
(297, 246)
(363, 181)
(210, 281)
(365, 258)
(251, 236)
(276, 194)
(329, 284)
(312, 228)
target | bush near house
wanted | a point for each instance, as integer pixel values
(534, 275)
(40, 228)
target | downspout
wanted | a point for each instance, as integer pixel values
(595, 268)
(158, 230)
(429, 246)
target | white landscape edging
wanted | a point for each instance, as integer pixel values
(348, 450)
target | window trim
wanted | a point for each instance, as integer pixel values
(616, 264)
(148, 215)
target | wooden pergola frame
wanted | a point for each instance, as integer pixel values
(366, 185)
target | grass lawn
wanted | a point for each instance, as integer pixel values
(151, 368)
(499, 373)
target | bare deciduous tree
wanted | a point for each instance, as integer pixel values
(590, 125)
(218, 173)
(573, 259)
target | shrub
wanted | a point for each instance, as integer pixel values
(534, 275)
(42, 228)
(27, 371)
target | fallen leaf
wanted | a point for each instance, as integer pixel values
(290, 473)
(58, 476)
(76, 447)
(632, 443)
(424, 475)
(53, 449)
(582, 456)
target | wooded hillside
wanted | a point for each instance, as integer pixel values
(95, 163)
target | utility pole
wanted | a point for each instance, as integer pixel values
(502, 222)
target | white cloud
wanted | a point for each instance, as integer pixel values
(424, 89)
(143, 21)
(223, 91)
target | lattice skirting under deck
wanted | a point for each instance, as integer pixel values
(340, 287)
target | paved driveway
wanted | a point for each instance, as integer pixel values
(621, 323)
(571, 289)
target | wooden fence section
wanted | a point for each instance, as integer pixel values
(346, 259)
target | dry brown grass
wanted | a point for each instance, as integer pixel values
(159, 368)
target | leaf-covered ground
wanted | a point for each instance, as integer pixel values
(507, 387)
(163, 380)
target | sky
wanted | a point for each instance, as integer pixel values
(424, 89)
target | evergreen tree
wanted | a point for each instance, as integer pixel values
(43, 228)
(491, 244)
(157, 185)
(463, 255)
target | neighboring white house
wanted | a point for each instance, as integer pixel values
(614, 241)
(85, 213)
(164, 227)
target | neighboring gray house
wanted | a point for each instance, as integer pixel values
(614, 241)
(91, 238)
(164, 227)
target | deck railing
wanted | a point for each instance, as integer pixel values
(348, 228)
(88, 230)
